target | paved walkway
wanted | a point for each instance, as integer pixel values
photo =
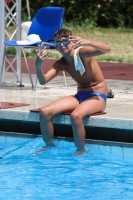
(119, 109)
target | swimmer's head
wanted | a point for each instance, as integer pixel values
(62, 33)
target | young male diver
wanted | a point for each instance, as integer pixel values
(78, 59)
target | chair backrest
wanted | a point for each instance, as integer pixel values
(46, 21)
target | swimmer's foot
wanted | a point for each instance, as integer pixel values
(49, 145)
(40, 150)
(80, 151)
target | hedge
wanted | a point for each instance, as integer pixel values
(104, 13)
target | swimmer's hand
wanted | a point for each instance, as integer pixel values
(42, 53)
(78, 41)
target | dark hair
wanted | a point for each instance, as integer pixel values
(62, 33)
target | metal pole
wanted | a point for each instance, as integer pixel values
(18, 37)
(2, 35)
(10, 15)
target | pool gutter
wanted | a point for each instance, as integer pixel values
(97, 127)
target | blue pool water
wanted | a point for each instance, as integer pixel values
(104, 172)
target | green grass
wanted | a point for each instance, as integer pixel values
(120, 40)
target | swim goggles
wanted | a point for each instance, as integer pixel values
(60, 43)
(54, 44)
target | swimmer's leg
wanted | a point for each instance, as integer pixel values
(68, 103)
(89, 106)
(51, 110)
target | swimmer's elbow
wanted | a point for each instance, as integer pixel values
(41, 82)
(108, 50)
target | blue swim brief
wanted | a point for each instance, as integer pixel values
(81, 96)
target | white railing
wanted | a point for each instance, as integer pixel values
(10, 15)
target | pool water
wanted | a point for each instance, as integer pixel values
(104, 172)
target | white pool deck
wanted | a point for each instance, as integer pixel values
(119, 109)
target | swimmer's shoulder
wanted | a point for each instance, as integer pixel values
(60, 63)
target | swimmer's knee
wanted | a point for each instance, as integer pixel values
(44, 111)
(76, 117)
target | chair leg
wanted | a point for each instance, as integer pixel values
(27, 67)
(2, 66)
(35, 84)
(64, 74)
(65, 79)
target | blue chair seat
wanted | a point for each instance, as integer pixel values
(13, 43)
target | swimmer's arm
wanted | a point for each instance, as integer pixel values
(53, 72)
(99, 46)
